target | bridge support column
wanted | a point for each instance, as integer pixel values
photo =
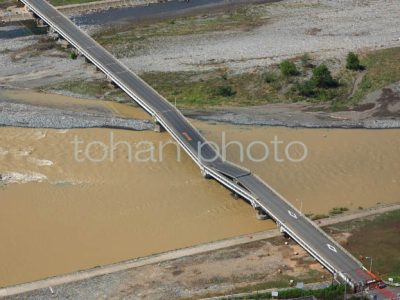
(205, 174)
(63, 43)
(235, 195)
(40, 23)
(158, 127)
(261, 214)
(53, 34)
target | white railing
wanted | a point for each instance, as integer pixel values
(224, 180)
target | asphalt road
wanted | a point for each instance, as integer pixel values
(325, 249)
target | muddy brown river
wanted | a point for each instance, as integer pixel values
(63, 211)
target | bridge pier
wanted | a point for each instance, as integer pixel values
(40, 23)
(235, 195)
(53, 34)
(261, 214)
(205, 174)
(158, 127)
(63, 43)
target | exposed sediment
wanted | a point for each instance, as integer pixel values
(25, 115)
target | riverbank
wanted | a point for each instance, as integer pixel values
(172, 274)
(22, 108)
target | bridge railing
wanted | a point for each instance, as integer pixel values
(213, 173)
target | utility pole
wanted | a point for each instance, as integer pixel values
(370, 264)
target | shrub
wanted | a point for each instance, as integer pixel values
(306, 61)
(322, 77)
(338, 210)
(306, 88)
(288, 68)
(269, 77)
(73, 55)
(353, 62)
(224, 90)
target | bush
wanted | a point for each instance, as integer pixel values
(306, 88)
(306, 61)
(322, 77)
(73, 55)
(224, 90)
(338, 210)
(288, 68)
(269, 77)
(353, 62)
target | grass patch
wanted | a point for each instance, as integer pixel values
(338, 210)
(92, 89)
(331, 292)
(201, 89)
(378, 237)
(280, 281)
(382, 69)
(214, 88)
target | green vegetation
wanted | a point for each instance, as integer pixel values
(382, 69)
(288, 68)
(279, 281)
(95, 89)
(332, 292)
(73, 55)
(338, 210)
(322, 78)
(199, 89)
(320, 86)
(379, 238)
(306, 61)
(215, 88)
(224, 91)
(353, 62)
(318, 217)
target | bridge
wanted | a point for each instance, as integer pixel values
(259, 194)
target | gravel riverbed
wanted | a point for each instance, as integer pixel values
(31, 116)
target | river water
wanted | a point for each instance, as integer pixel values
(61, 212)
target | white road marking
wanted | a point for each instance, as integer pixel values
(292, 214)
(331, 248)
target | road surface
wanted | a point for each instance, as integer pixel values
(329, 253)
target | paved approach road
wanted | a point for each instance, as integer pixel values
(334, 257)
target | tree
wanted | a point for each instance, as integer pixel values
(288, 68)
(322, 77)
(353, 62)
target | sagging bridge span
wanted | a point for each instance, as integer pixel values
(262, 197)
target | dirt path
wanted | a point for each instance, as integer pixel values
(180, 253)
